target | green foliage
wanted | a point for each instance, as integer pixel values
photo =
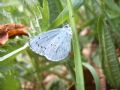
(110, 62)
(94, 74)
(19, 63)
(8, 76)
(9, 83)
(76, 49)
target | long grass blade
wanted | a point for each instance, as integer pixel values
(94, 74)
(76, 49)
(110, 63)
(13, 53)
(63, 16)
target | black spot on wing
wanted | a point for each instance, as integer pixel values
(38, 45)
(41, 47)
(45, 48)
(36, 42)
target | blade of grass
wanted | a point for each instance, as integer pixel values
(25, 3)
(63, 16)
(76, 48)
(54, 9)
(45, 15)
(14, 52)
(110, 62)
(58, 3)
(114, 7)
(94, 74)
(46, 11)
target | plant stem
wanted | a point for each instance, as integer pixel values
(34, 61)
(13, 53)
(76, 49)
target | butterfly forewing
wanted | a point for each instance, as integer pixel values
(38, 43)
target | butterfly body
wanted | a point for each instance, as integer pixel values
(55, 44)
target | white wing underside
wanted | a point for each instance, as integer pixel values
(39, 41)
(59, 47)
(55, 45)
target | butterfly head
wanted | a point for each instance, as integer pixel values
(68, 28)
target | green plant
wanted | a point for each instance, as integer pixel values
(19, 64)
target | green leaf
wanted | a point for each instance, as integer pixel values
(110, 63)
(40, 2)
(112, 6)
(12, 45)
(54, 9)
(94, 74)
(46, 11)
(9, 82)
(63, 16)
(76, 49)
(14, 52)
(26, 4)
(59, 5)
(45, 15)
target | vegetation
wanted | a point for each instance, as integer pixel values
(95, 45)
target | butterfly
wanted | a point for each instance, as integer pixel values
(54, 44)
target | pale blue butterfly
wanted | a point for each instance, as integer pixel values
(55, 44)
